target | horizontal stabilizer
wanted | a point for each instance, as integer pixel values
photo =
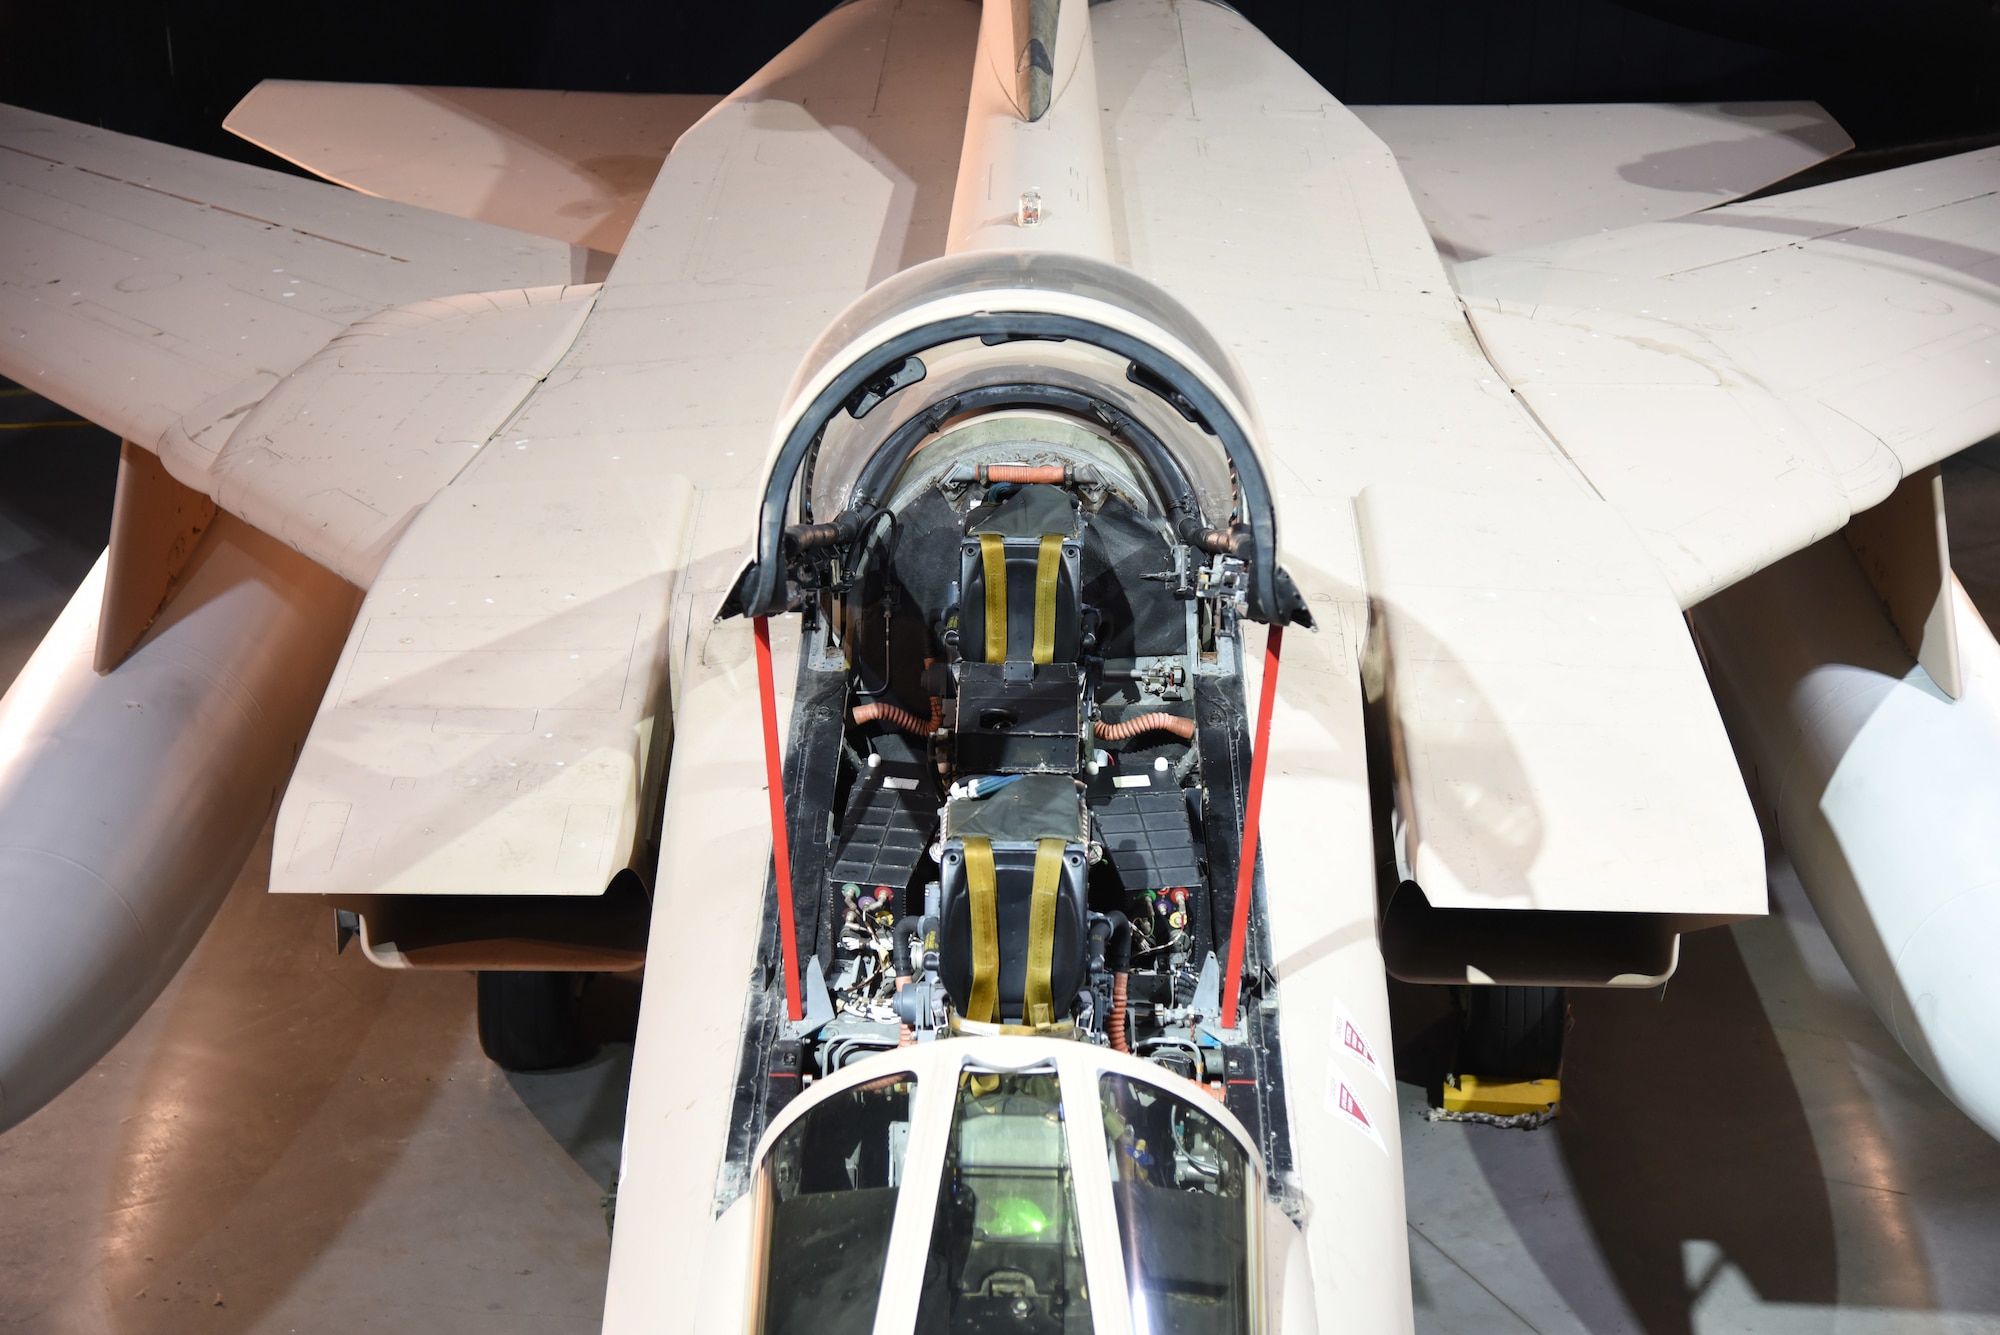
(1554, 739)
(1500, 178)
(573, 166)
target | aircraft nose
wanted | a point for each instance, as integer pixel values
(73, 967)
(1950, 1002)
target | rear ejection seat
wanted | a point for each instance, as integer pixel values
(1018, 567)
(1020, 632)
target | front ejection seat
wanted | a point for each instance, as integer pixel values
(1014, 928)
(1020, 629)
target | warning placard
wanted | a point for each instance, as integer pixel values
(1346, 1104)
(1348, 1040)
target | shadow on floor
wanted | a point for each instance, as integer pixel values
(1680, 1122)
(583, 1108)
(268, 1036)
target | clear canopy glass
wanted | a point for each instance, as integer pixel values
(1054, 1188)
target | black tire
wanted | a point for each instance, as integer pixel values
(1513, 1032)
(532, 1021)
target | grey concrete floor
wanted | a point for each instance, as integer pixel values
(1748, 1151)
(290, 1139)
(294, 1141)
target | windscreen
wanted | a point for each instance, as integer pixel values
(831, 1179)
(1005, 1251)
(1182, 1188)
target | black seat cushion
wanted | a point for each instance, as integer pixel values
(1020, 522)
(1014, 880)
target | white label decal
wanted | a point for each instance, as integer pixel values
(1344, 1103)
(1347, 1038)
(904, 784)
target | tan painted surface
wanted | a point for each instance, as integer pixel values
(156, 522)
(1739, 382)
(152, 289)
(1036, 185)
(342, 454)
(1555, 741)
(1494, 179)
(572, 166)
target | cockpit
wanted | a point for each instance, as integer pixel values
(1016, 508)
(1024, 1187)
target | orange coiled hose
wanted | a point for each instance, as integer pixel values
(1132, 727)
(1114, 1026)
(895, 714)
(1052, 474)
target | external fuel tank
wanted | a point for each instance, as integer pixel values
(129, 801)
(1886, 793)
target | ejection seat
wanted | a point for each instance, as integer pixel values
(1015, 925)
(1020, 629)
(1012, 859)
(1018, 567)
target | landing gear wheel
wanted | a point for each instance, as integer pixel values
(532, 1021)
(1513, 1032)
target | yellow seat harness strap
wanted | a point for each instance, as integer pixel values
(984, 1003)
(993, 557)
(1048, 565)
(1036, 1004)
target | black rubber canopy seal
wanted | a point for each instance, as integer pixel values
(1271, 596)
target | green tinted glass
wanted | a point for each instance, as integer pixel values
(1005, 1250)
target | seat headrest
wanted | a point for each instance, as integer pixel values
(1036, 509)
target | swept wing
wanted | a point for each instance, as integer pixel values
(143, 285)
(1740, 381)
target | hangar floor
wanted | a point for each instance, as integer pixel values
(293, 1141)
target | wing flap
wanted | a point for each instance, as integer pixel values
(489, 726)
(501, 712)
(340, 456)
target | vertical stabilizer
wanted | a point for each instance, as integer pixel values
(1031, 175)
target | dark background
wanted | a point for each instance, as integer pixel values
(1908, 80)
(1894, 74)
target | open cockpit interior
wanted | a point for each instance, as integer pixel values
(1017, 765)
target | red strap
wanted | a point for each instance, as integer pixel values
(781, 844)
(1246, 863)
